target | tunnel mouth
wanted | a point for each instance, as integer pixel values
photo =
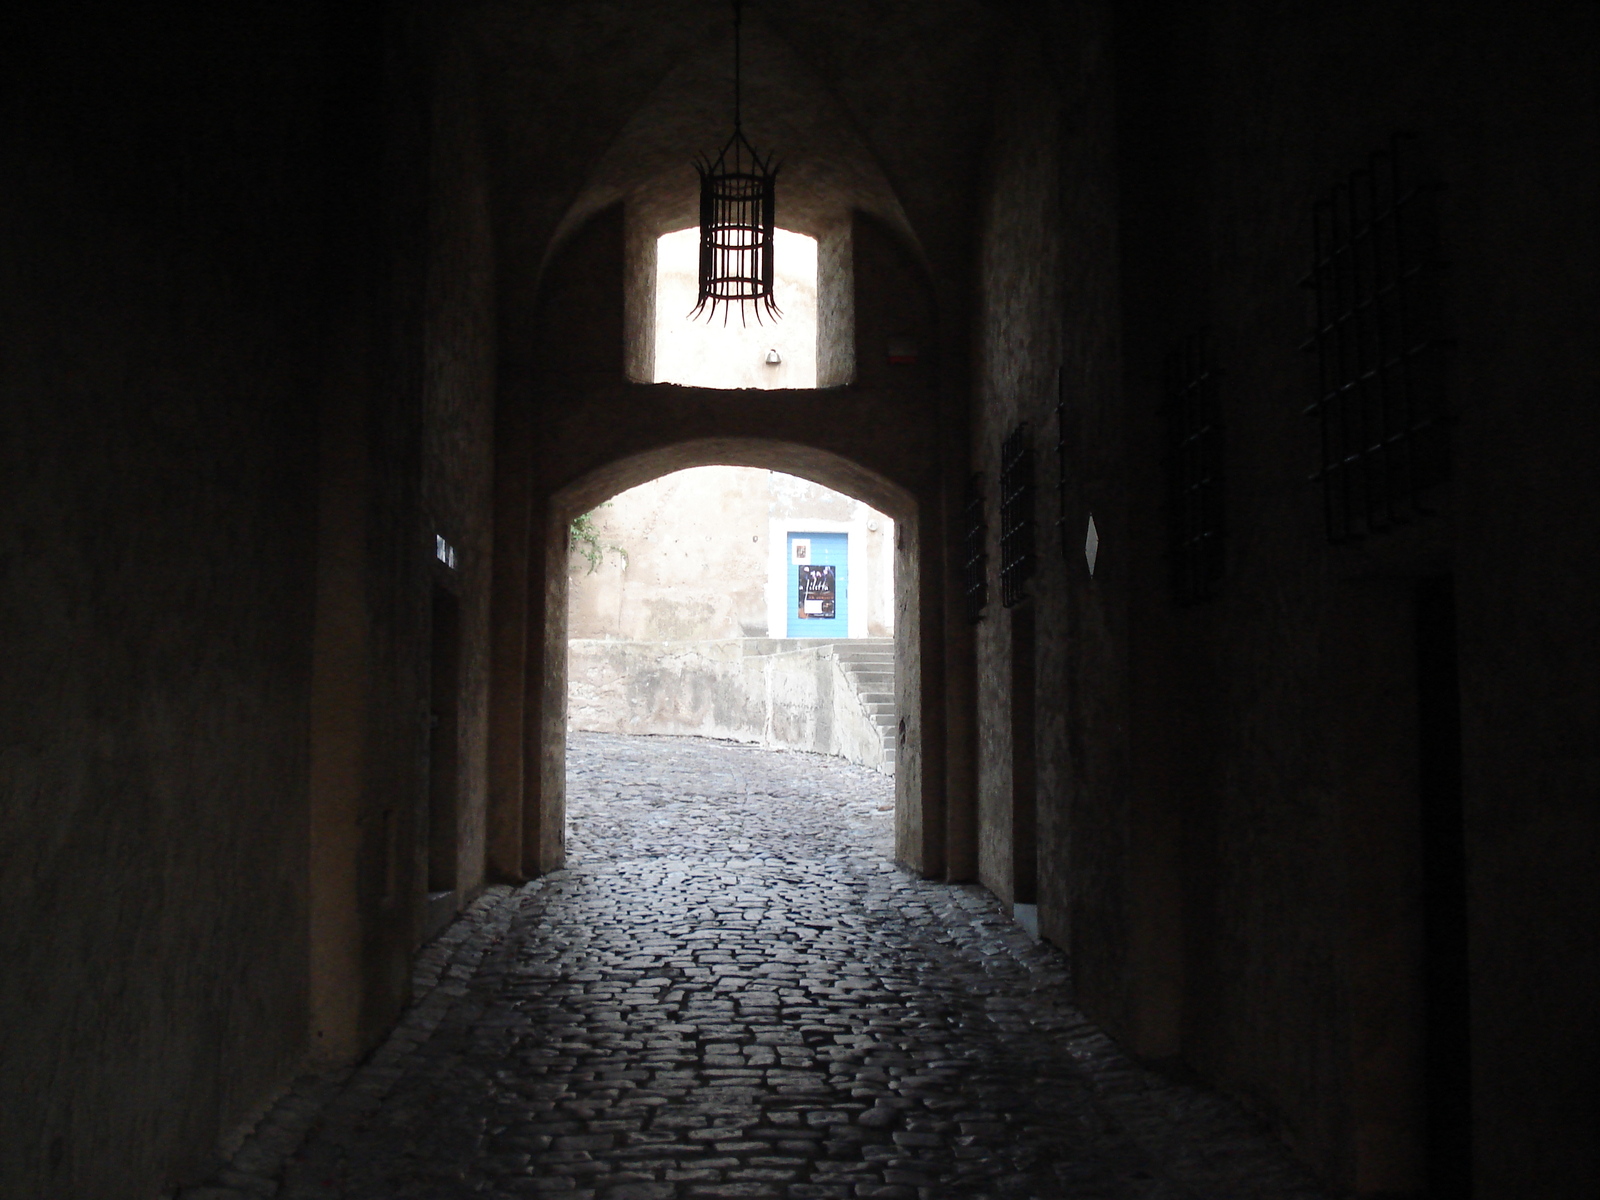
(736, 603)
(840, 683)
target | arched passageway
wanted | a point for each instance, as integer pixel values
(318, 320)
(735, 602)
(573, 425)
(532, 835)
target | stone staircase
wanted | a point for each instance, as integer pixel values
(868, 663)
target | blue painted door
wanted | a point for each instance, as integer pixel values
(819, 578)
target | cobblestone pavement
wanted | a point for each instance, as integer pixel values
(731, 992)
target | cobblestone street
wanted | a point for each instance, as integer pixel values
(732, 992)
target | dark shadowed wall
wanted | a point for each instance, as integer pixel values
(159, 375)
(1240, 831)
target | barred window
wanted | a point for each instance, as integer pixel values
(1379, 404)
(1016, 515)
(1195, 503)
(975, 562)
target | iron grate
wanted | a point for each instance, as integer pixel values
(1196, 510)
(975, 560)
(1016, 515)
(1379, 403)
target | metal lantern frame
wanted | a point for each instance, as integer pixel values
(738, 203)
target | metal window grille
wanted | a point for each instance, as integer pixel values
(1016, 515)
(975, 561)
(1195, 502)
(1061, 461)
(1379, 403)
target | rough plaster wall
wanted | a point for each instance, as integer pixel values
(387, 195)
(894, 300)
(690, 558)
(836, 310)
(913, 819)
(1079, 902)
(1014, 361)
(777, 692)
(544, 844)
(459, 419)
(156, 520)
(729, 349)
(686, 556)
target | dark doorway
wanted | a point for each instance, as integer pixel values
(1447, 1013)
(443, 752)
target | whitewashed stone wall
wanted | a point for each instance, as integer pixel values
(784, 693)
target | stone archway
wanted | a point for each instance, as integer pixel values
(572, 428)
(527, 818)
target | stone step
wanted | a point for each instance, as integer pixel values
(873, 682)
(869, 668)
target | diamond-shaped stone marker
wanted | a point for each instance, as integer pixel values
(1091, 545)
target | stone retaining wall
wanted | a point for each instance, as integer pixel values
(786, 693)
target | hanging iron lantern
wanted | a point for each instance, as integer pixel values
(737, 206)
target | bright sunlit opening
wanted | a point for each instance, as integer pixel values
(727, 352)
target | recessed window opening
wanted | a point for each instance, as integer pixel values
(727, 351)
(736, 603)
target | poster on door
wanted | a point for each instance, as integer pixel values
(818, 592)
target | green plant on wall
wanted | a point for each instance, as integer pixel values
(584, 537)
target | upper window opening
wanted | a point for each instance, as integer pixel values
(730, 353)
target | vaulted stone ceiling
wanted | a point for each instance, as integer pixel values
(880, 106)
